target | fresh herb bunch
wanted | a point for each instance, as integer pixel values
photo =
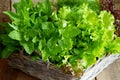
(71, 36)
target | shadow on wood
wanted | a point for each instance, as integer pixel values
(7, 73)
(38, 68)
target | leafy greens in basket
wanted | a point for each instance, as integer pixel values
(73, 37)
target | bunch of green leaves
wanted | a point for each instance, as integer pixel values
(93, 4)
(27, 22)
(73, 36)
(7, 45)
(92, 35)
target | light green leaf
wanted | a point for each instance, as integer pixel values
(12, 15)
(114, 46)
(66, 44)
(66, 59)
(42, 44)
(26, 37)
(13, 26)
(44, 55)
(15, 35)
(64, 12)
(88, 60)
(107, 19)
(69, 31)
(34, 40)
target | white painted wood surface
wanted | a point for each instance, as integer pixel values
(92, 72)
(112, 72)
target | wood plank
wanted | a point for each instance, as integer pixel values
(7, 73)
(38, 68)
(99, 67)
(4, 5)
(118, 64)
(111, 73)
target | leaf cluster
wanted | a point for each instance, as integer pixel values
(73, 36)
(7, 45)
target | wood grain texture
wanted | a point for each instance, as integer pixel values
(8, 73)
(111, 73)
(118, 64)
(4, 5)
(92, 72)
(38, 69)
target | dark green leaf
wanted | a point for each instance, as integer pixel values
(28, 46)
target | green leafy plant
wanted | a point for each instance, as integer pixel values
(7, 44)
(93, 4)
(71, 37)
